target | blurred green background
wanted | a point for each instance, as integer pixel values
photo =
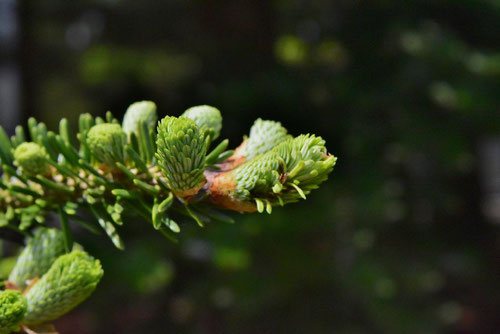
(404, 236)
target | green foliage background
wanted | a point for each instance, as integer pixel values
(405, 93)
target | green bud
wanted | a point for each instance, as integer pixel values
(264, 135)
(107, 142)
(285, 173)
(12, 310)
(257, 176)
(207, 118)
(41, 250)
(70, 280)
(32, 158)
(181, 151)
(307, 165)
(143, 111)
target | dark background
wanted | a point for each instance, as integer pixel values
(403, 237)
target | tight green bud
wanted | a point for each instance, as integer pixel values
(143, 111)
(41, 250)
(264, 135)
(181, 151)
(12, 310)
(70, 280)
(207, 118)
(107, 142)
(32, 158)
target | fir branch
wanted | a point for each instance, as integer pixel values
(153, 172)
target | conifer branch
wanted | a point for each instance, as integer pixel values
(166, 173)
(136, 166)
